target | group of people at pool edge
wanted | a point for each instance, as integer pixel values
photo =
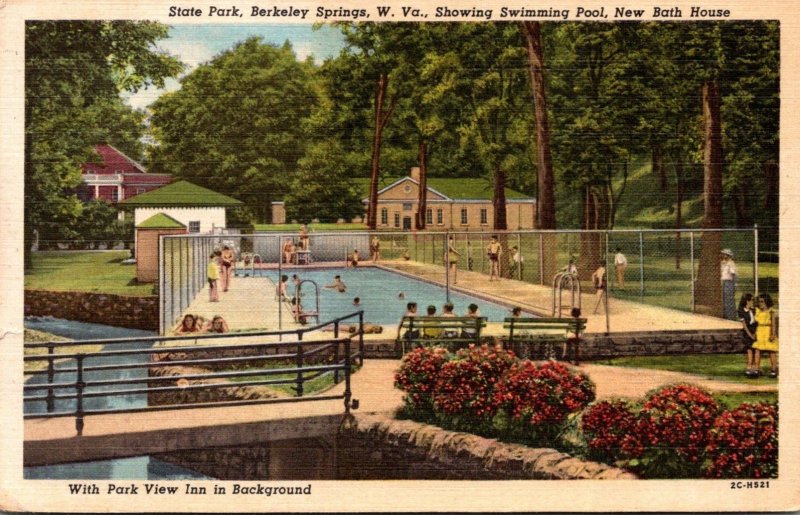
(448, 310)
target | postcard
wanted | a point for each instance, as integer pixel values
(410, 256)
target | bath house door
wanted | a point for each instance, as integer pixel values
(406, 223)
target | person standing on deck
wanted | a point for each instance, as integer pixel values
(727, 275)
(212, 273)
(494, 251)
(227, 259)
(620, 263)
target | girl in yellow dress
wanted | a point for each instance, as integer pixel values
(766, 333)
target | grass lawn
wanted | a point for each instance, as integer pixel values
(101, 272)
(310, 387)
(733, 400)
(726, 367)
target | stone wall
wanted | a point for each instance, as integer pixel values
(661, 344)
(599, 346)
(99, 308)
(308, 458)
(380, 447)
(376, 447)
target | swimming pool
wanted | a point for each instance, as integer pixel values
(379, 290)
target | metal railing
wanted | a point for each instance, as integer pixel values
(301, 365)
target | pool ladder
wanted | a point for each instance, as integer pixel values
(297, 311)
(566, 281)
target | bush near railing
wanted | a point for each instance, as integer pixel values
(681, 432)
(488, 391)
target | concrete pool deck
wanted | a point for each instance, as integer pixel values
(251, 304)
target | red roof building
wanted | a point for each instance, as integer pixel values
(117, 177)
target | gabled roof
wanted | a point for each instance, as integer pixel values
(112, 160)
(181, 194)
(450, 188)
(161, 221)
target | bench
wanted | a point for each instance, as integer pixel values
(451, 332)
(525, 333)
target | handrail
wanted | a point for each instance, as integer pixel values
(198, 336)
(300, 373)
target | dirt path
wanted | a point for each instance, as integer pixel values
(373, 384)
(635, 383)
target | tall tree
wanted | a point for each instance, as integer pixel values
(545, 200)
(236, 123)
(74, 73)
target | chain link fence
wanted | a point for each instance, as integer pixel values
(662, 265)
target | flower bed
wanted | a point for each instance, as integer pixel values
(681, 432)
(488, 391)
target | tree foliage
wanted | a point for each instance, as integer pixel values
(235, 125)
(74, 74)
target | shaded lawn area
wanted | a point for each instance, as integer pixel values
(99, 272)
(725, 367)
(734, 399)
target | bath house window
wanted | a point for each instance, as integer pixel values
(194, 226)
(384, 216)
(464, 216)
(429, 216)
(484, 217)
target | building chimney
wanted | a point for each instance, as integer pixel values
(414, 173)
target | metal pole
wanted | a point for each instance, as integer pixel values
(641, 267)
(278, 289)
(755, 258)
(361, 337)
(162, 297)
(79, 385)
(50, 378)
(691, 262)
(541, 258)
(299, 360)
(608, 287)
(446, 250)
(172, 277)
(347, 392)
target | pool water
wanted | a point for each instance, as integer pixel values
(379, 291)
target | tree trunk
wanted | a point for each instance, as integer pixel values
(380, 121)
(709, 288)
(423, 184)
(545, 202)
(657, 163)
(592, 243)
(741, 206)
(499, 203)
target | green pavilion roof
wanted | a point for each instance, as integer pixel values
(181, 194)
(160, 221)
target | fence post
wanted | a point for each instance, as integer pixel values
(521, 257)
(755, 258)
(446, 259)
(691, 262)
(299, 361)
(347, 392)
(336, 352)
(361, 337)
(541, 258)
(641, 267)
(79, 385)
(278, 289)
(50, 378)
